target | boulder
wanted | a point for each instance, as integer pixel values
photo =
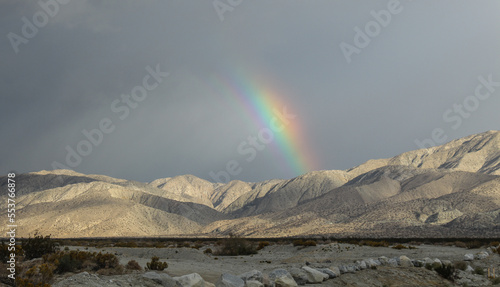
(405, 261)
(335, 271)
(436, 263)
(253, 283)
(361, 264)
(468, 257)
(299, 275)
(328, 272)
(418, 263)
(370, 263)
(481, 255)
(161, 278)
(190, 280)
(447, 263)
(282, 278)
(229, 280)
(314, 276)
(252, 275)
(383, 260)
(392, 262)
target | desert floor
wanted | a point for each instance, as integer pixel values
(182, 261)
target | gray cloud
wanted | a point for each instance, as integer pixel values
(91, 52)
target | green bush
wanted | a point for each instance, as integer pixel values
(155, 264)
(478, 270)
(38, 246)
(445, 271)
(235, 245)
(462, 265)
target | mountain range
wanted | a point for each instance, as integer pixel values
(452, 190)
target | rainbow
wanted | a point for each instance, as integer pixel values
(260, 104)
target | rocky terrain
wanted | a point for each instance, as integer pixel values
(451, 190)
(330, 264)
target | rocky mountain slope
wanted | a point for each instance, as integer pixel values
(449, 190)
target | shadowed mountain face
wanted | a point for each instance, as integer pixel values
(450, 190)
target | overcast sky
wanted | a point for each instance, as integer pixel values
(357, 84)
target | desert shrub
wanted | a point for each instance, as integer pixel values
(133, 265)
(130, 244)
(208, 251)
(301, 242)
(428, 266)
(446, 271)
(197, 246)
(117, 270)
(38, 275)
(38, 246)
(106, 260)
(262, 244)
(461, 265)
(495, 281)
(460, 244)
(298, 242)
(155, 264)
(371, 243)
(478, 270)
(399, 247)
(474, 244)
(494, 244)
(68, 263)
(235, 245)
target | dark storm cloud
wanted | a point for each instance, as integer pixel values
(396, 90)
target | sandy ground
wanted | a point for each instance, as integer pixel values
(184, 261)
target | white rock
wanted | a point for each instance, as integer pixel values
(335, 270)
(405, 261)
(482, 255)
(362, 264)
(282, 278)
(392, 262)
(469, 269)
(190, 280)
(328, 272)
(383, 260)
(314, 276)
(468, 257)
(252, 275)
(161, 278)
(229, 280)
(254, 283)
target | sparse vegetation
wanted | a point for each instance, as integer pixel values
(461, 265)
(133, 265)
(38, 246)
(479, 270)
(208, 251)
(155, 264)
(235, 245)
(446, 271)
(262, 244)
(300, 242)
